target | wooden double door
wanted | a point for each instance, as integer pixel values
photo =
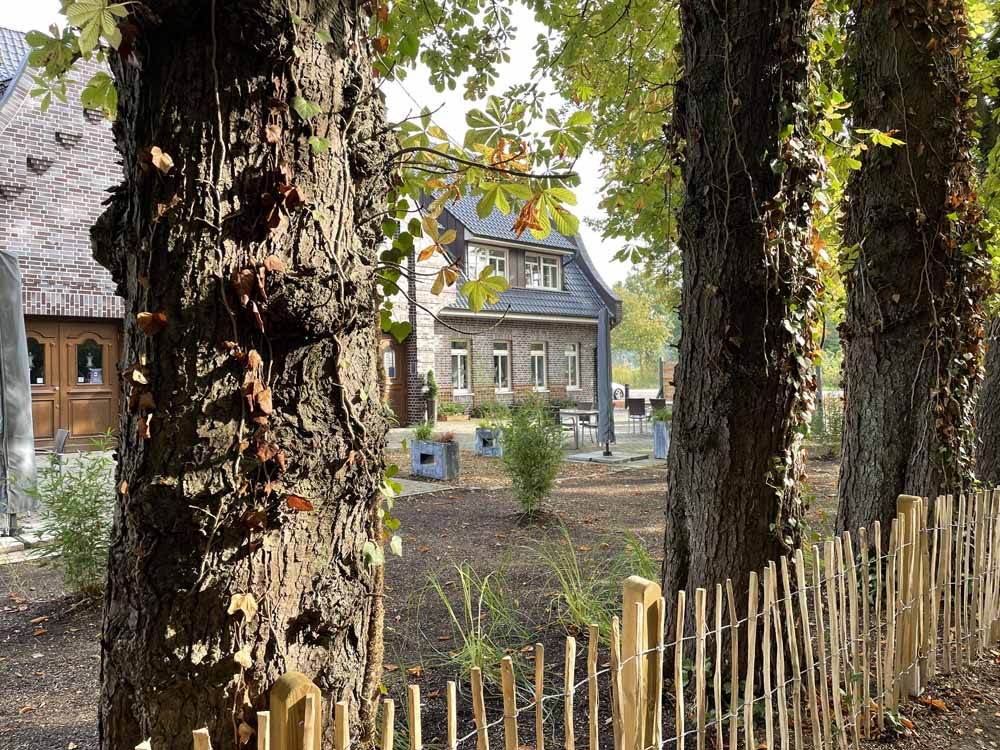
(74, 379)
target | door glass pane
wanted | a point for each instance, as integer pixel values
(36, 361)
(89, 363)
(389, 362)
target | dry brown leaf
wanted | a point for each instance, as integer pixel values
(274, 264)
(246, 732)
(151, 323)
(25, 710)
(242, 657)
(123, 487)
(161, 159)
(245, 603)
(444, 638)
(39, 620)
(264, 401)
(297, 502)
(424, 550)
(415, 671)
(390, 667)
(432, 694)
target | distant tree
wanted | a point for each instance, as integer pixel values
(648, 320)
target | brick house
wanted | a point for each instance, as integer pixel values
(55, 169)
(539, 340)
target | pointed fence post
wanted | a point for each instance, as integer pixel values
(288, 712)
(641, 712)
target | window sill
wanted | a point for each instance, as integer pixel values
(461, 393)
(502, 391)
(573, 388)
(541, 389)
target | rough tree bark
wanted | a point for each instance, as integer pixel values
(744, 379)
(913, 328)
(250, 447)
(988, 412)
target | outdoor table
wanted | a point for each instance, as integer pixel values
(575, 415)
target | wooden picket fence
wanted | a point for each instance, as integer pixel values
(842, 636)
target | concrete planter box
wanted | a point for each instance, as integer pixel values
(434, 460)
(661, 438)
(488, 442)
(453, 418)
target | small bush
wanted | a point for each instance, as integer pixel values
(444, 437)
(662, 415)
(430, 385)
(562, 402)
(450, 409)
(532, 452)
(78, 497)
(423, 431)
(491, 410)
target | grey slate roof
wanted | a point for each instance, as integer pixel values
(500, 227)
(584, 293)
(13, 50)
(579, 300)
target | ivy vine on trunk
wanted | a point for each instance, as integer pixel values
(916, 277)
(745, 374)
(250, 455)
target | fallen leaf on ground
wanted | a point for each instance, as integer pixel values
(391, 667)
(415, 671)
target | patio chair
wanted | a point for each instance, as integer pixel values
(57, 451)
(636, 413)
(566, 425)
(588, 423)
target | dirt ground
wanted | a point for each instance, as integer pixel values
(49, 654)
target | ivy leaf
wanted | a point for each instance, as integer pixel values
(100, 93)
(318, 145)
(324, 36)
(373, 553)
(305, 108)
(396, 545)
(400, 330)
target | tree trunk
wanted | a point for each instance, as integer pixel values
(250, 449)
(744, 379)
(988, 413)
(914, 326)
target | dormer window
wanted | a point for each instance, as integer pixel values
(481, 257)
(542, 272)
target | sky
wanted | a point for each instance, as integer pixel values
(38, 14)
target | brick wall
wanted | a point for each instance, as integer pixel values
(520, 334)
(55, 168)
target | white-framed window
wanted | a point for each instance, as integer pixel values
(542, 272)
(538, 379)
(480, 257)
(460, 366)
(573, 366)
(501, 365)
(389, 362)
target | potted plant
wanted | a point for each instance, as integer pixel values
(452, 411)
(434, 456)
(490, 429)
(661, 432)
(430, 397)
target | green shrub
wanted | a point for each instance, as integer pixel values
(562, 402)
(423, 431)
(532, 452)
(491, 410)
(78, 497)
(430, 385)
(450, 409)
(662, 415)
